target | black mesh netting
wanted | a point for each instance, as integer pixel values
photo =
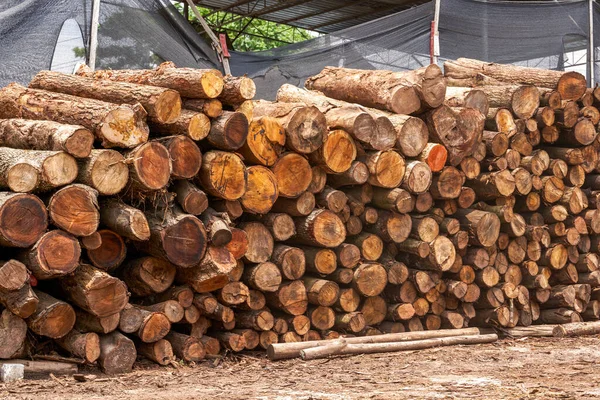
(142, 33)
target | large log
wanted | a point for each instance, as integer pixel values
(104, 170)
(39, 170)
(148, 275)
(400, 92)
(177, 237)
(211, 273)
(185, 156)
(55, 254)
(52, 318)
(190, 123)
(74, 209)
(115, 125)
(570, 85)
(228, 131)
(117, 353)
(46, 135)
(150, 167)
(23, 219)
(111, 252)
(305, 127)
(261, 190)
(189, 82)
(265, 141)
(321, 228)
(223, 175)
(163, 105)
(95, 291)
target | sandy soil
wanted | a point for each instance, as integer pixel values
(545, 368)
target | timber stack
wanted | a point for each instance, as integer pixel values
(167, 214)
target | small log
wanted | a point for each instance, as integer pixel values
(84, 345)
(290, 297)
(211, 273)
(161, 352)
(104, 170)
(87, 322)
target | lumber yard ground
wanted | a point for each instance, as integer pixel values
(530, 368)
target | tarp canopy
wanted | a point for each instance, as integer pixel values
(143, 33)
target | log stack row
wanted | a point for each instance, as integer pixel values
(165, 213)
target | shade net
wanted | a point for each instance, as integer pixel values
(143, 33)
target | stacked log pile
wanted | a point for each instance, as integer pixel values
(165, 213)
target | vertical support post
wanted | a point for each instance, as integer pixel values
(213, 37)
(436, 32)
(186, 11)
(94, 34)
(591, 49)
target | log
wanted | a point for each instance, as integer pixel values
(55, 254)
(36, 170)
(75, 210)
(233, 294)
(191, 199)
(570, 85)
(305, 127)
(399, 92)
(259, 320)
(150, 167)
(192, 124)
(124, 220)
(117, 353)
(228, 131)
(185, 156)
(211, 273)
(447, 185)
(386, 168)
(46, 135)
(261, 190)
(320, 261)
(148, 275)
(104, 170)
(321, 228)
(467, 97)
(113, 124)
(290, 261)
(434, 155)
(13, 331)
(52, 318)
(293, 175)
(483, 227)
(189, 82)
(87, 322)
(217, 226)
(161, 352)
(265, 141)
(84, 345)
(176, 237)
(337, 152)
(282, 351)
(237, 89)
(111, 252)
(95, 291)
(222, 175)
(290, 297)
(212, 108)
(162, 105)
(186, 347)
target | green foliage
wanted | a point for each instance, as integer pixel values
(246, 33)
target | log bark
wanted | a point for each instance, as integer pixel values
(211, 273)
(13, 331)
(113, 124)
(124, 220)
(117, 353)
(111, 252)
(167, 228)
(46, 135)
(189, 82)
(399, 92)
(84, 345)
(55, 254)
(161, 352)
(305, 126)
(95, 291)
(52, 318)
(163, 105)
(104, 170)
(212, 108)
(35, 170)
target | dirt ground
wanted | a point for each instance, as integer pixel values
(544, 368)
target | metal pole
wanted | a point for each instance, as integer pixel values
(213, 37)
(94, 34)
(591, 43)
(436, 32)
